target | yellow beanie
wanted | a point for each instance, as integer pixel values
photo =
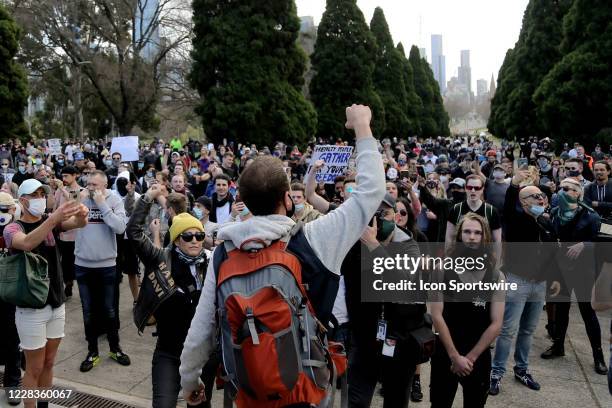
(182, 223)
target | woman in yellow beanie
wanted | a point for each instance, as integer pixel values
(170, 292)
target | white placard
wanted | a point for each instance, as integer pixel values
(54, 147)
(127, 146)
(336, 160)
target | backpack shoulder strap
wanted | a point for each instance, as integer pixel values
(219, 256)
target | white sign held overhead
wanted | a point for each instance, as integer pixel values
(336, 160)
(127, 146)
(55, 147)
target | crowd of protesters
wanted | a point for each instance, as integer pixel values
(96, 218)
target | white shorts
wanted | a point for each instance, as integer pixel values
(35, 326)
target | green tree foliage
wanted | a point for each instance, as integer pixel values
(499, 107)
(249, 71)
(423, 88)
(389, 81)
(574, 101)
(343, 62)
(415, 105)
(13, 80)
(440, 116)
(536, 52)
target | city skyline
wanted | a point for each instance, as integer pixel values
(488, 28)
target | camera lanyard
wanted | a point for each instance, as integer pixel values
(381, 332)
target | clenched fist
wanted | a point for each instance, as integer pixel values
(358, 116)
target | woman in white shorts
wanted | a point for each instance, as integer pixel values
(41, 330)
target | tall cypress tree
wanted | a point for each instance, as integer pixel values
(13, 80)
(389, 80)
(499, 104)
(249, 71)
(440, 116)
(413, 101)
(343, 63)
(575, 98)
(423, 89)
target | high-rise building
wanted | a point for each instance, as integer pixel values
(438, 61)
(482, 88)
(493, 88)
(465, 70)
(146, 28)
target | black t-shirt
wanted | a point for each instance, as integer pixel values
(486, 210)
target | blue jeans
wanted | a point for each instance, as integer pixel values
(522, 313)
(98, 292)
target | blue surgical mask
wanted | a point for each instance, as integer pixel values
(537, 210)
(149, 174)
(140, 165)
(38, 161)
(198, 213)
(60, 162)
(108, 163)
(193, 171)
(401, 162)
(22, 169)
(299, 207)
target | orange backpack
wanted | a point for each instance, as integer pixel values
(274, 349)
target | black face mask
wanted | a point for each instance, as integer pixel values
(459, 196)
(292, 210)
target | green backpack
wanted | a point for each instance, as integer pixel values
(24, 280)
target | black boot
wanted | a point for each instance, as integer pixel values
(600, 363)
(554, 351)
(416, 395)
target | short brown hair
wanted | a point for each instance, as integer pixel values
(263, 185)
(475, 177)
(298, 187)
(178, 202)
(98, 173)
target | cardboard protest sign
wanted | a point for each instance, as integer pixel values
(336, 160)
(54, 147)
(127, 146)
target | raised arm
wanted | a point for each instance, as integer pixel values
(344, 226)
(136, 227)
(318, 202)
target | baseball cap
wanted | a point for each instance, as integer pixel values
(30, 186)
(6, 200)
(389, 201)
(458, 182)
(499, 166)
(79, 156)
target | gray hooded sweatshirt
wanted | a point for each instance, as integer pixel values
(330, 237)
(96, 243)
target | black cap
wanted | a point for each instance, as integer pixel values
(70, 170)
(206, 202)
(389, 201)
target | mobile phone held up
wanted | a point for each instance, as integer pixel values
(421, 171)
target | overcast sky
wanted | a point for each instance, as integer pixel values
(486, 27)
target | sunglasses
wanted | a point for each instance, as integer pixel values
(473, 188)
(189, 236)
(537, 196)
(403, 213)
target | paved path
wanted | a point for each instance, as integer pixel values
(568, 382)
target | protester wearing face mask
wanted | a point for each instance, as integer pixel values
(544, 166)
(148, 178)
(530, 266)
(6, 171)
(9, 341)
(576, 226)
(441, 206)
(304, 212)
(367, 362)
(178, 183)
(41, 330)
(495, 190)
(201, 211)
(22, 173)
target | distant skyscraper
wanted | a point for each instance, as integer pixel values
(493, 87)
(438, 61)
(465, 70)
(482, 87)
(423, 52)
(146, 28)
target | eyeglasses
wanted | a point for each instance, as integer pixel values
(473, 188)
(403, 213)
(537, 196)
(188, 236)
(116, 158)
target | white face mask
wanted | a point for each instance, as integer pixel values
(37, 206)
(499, 174)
